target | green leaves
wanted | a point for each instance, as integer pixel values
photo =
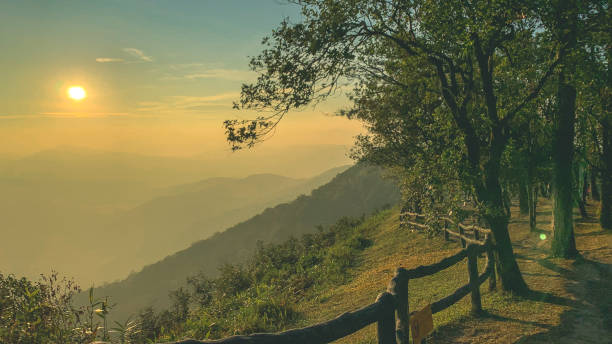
(43, 312)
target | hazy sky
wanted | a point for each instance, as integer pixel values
(160, 76)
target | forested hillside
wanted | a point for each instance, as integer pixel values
(191, 212)
(357, 191)
(142, 207)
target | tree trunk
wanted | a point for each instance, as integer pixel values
(585, 186)
(507, 268)
(605, 210)
(546, 190)
(579, 189)
(496, 216)
(563, 242)
(532, 200)
(532, 186)
(507, 202)
(523, 197)
(594, 186)
(490, 192)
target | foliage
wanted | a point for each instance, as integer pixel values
(253, 297)
(444, 89)
(259, 296)
(44, 312)
(359, 190)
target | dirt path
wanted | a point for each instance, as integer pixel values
(587, 283)
(571, 300)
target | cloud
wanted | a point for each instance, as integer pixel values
(183, 66)
(189, 104)
(226, 74)
(108, 59)
(139, 54)
(195, 71)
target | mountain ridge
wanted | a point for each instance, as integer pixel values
(357, 191)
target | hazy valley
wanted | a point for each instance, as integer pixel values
(115, 212)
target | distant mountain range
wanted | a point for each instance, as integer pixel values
(357, 191)
(98, 215)
(188, 213)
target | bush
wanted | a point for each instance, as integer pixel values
(259, 296)
(43, 312)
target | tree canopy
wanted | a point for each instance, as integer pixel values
(446, 89)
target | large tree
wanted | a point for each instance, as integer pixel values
(564, 30)
(466, 58)
(569, 26)
(600, 58)
(595, 101)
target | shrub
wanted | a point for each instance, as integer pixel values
(43, 312)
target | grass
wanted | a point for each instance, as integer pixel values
(570, 299)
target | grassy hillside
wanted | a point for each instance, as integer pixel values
(357, 191)
(344, 266)
(571, 300)
(314, 279)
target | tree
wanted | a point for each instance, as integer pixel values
(180, 304)
(529, 153)
(149, 324)
(570, 25)
(599, 60)
(466, 59)
(564, 29)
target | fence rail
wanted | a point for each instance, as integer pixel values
(391, 309)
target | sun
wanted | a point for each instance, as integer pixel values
(76, 92)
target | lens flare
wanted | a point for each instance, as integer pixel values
(542, 236)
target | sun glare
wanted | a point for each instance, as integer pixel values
(76, 92)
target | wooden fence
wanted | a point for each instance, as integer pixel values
(391, 309)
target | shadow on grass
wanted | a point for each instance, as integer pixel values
(596, 292)
(568, 274)
(497, 317)
(587, 288)
(595, 233)
(542, 296)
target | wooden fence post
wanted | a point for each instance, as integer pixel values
(386, 320)
(462, 232)
(473, 273)
(446, 237)
(476, 234)
(491, 261)
(398, 287)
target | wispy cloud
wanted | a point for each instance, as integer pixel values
(194, 71)
(108, 59)
(139, 54)
(184, 66)
(188, 104)
(226, 74)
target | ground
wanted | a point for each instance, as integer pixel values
(570, 302)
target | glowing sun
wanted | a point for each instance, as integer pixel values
(76, 92)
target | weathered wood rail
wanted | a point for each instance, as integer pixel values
(391, 309)
(410, 219)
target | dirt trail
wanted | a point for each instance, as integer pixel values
(571, 300)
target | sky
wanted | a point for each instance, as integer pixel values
(160, 76)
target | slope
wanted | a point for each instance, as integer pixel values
(570, 300)
(359, 190)
(85, 213)
(195, 211)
